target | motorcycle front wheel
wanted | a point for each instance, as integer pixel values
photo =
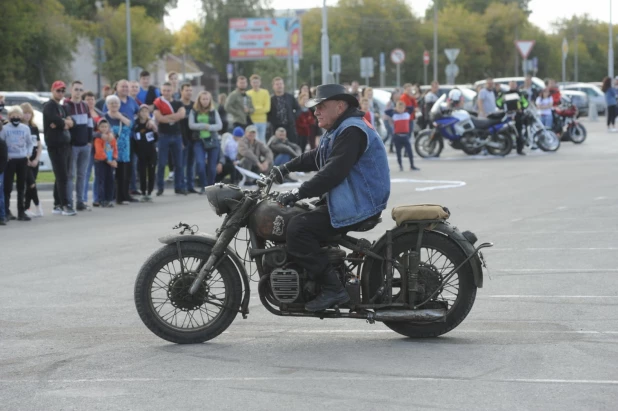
(168, 310)
(427, 147)
(547, 140)
(439, 256)
(505, 140)
(577, 133)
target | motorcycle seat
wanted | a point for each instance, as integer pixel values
(483, 124)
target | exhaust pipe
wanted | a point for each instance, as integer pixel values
(425, 315)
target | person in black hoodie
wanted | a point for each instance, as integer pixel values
(284, 110)
(4, 159)
(56, 125)
(145, 146)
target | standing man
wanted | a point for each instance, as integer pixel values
(351, 163)
(487, 99)
(527, 88)
(168, 114)
(515, 101)
(172, 77)
(147, 92)
(81, 144)
(284, 110)
(186, 93)
(134, 91)
(261, 105)
(56, 125)
(239, 104)
(354, 90)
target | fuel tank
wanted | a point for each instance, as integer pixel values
(270, 220)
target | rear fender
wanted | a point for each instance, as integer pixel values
(209, 241)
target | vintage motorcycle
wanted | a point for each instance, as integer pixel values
(420, 278)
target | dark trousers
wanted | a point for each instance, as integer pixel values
(123, 174)
(402, 141)
(60, 158)
(16, 167)
(305, 234)
(611, 114)
(147, 163)
(229, 169)
(105, 181)
(32, 194)
(519, 127)
(302, 142)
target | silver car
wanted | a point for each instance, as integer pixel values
(595, 95)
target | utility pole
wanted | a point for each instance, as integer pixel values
(610, 52)
(325, 49)
(435, 40)
(516, 52)
(129, 64)
(575, 58)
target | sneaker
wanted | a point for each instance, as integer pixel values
(109, 205)
(148, 198)
(122, 202)
(2, 221)
(181, 192)
(192, 191)
(82, 207)
(23, 217)
(133, 200)
(39, 211)
(170, 176)
(415, 168)
(68, 211)
(202, 191)
(95, 204)
(30, 213)
(143, 199)
(135, 193)
(10, 216)
(57, 210)
(159, 193)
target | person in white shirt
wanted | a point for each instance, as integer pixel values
(544, 104)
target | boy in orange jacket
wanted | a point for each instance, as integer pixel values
(105, 156)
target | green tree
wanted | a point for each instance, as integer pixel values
(503, 22)
(87, 9)
(479, 6)
(150, 40)
(156, 9)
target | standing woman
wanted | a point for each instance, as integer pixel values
(121, 128)
(205, 122)
(610, 100)
(305, 89)
(305, 124)
(32, 194)
(222, 113)
(544, 103)
(96, 115)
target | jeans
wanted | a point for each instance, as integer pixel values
(2, 209)
(95, 191)
(134, 172)
(207, 173)
(547, 120)
(104, 176)
(281, 159)
(188, 158)
(403, 141)
(170, 143)
(80, 156)
(261, 131)
(60, 158)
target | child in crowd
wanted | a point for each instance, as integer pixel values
(105, 156)
(369, 115)
(145, 146)
(402, 133)
(32, 194)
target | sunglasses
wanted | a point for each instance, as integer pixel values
(78, 89)
(61, 90)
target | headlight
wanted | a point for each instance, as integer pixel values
(221, 197)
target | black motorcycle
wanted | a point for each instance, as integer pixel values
(420, 278)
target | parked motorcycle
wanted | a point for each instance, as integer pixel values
(465, 132)
(566, 115)
(535, 134)
(420, 278)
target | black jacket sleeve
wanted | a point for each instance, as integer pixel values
(348, 147)
(308, 161)
(51, 115)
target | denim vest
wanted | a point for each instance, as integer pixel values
(365, 191)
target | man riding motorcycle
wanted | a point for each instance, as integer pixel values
(352, 181)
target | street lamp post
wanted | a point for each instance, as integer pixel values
(129, 68)
(325, 50)
(610, 52)
(435, 40)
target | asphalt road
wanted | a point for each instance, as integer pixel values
(543, 333)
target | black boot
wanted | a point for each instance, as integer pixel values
(332, 293)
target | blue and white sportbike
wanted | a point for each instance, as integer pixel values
(464, 131)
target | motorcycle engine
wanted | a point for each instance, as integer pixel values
(285, 284)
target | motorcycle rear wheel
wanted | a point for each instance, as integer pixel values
(547, 140)
(439, 255)
(426, 147)
(577, 133)
(507, 144)
(166, 308)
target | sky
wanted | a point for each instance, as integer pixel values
(543, 11)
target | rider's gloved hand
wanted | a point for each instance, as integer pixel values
(288, 198)
(278, 173)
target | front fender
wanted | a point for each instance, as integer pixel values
(210, 241)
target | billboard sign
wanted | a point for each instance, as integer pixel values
(264, 38)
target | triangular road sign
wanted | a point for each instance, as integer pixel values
(451, 54)
(524, 47)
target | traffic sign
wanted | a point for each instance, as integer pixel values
(230, 70)
(524, 47)
(366, 64)
(398, 56)
(451, 70)
(451, 54)
(335, 63)
(425, 57)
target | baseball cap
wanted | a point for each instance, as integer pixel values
(102, 120)
(144, 106)
(238, 132)
(250, 129)
(58, 84)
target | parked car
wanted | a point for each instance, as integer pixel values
(595, 95)
(15, 98)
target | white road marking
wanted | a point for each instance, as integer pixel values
(556, 270)
(550, 296)
(555, 249)
(600, 198)
(320, 378)
(438, 184)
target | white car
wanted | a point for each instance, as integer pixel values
(595, 95)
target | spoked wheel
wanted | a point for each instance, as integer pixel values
(426, 146)
(577, 133)
(547, 140)
(439, 256)
(165, 306)
(502, 144)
